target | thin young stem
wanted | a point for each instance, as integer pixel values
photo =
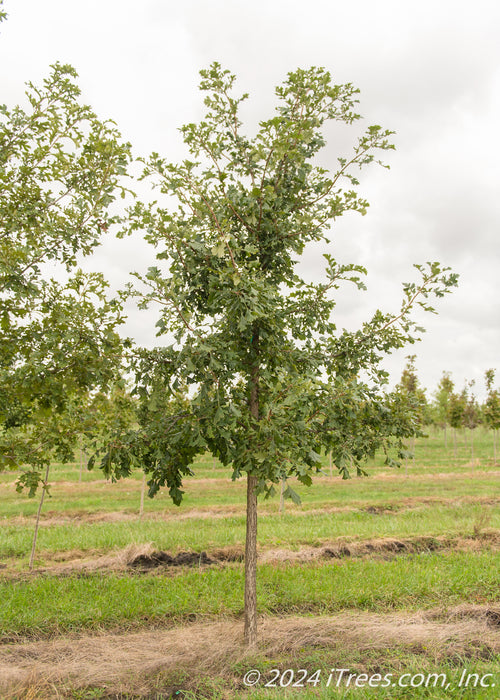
(143, 489)
(251, 524)
(472, 450)
(82, 460)
(282, 495)
(37, 523)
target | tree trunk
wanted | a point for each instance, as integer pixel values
(82, 460)
(251, 525)
(37, 523)
(472, 450)
(251, 563)
(494, 447)
(445, 438)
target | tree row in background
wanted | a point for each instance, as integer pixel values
(450, 409)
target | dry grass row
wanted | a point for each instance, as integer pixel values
(133, 662)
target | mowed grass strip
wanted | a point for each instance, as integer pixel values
(46, 605)
(292, 529)
(388, 488)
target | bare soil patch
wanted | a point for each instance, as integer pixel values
(137, 662)
(156, 559)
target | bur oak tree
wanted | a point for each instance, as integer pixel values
(472, 415)
(271, 380)
(441, 403)
(416, 401)
(491, 408)
(456, 411)
(409, 385)
(61, 169)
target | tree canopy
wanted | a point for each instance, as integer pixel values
(243, 319)
(61, 168)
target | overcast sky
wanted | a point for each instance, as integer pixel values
(428, 70)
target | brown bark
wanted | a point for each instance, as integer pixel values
(251, 563)
(251, 525)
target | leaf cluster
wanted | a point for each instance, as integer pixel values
(61, 169)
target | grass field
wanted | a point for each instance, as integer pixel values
(395, 577)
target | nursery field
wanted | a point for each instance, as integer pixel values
(386, 586)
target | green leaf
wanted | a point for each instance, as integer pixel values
(290, 493)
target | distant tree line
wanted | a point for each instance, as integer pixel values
(451, 409)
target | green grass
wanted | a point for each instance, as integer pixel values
(292, 529)
(383, 487)
(440, 497)
(48, 604)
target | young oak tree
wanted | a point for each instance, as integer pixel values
(409, 384)
(60, 171)
(271, 381)
(441, 403)
(491, 408)
(412, 393)
(456, 411)
(471, 416)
